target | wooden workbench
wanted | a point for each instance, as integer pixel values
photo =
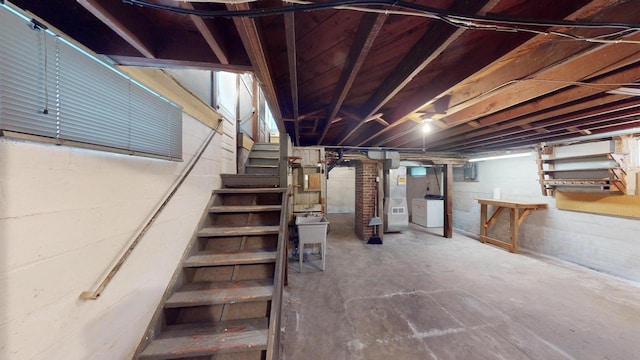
(515, 218)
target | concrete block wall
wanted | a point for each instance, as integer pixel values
(65, 216)
(366, 187)
(604, 243)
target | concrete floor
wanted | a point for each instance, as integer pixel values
(421, 296)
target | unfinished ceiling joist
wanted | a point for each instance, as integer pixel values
(367, 32)
(123, 23)
(254, 47)
(556, 66)
(208, 35)
(290, 32)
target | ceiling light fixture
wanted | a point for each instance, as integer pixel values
(629, 91)
(426, 125)
(497, 157)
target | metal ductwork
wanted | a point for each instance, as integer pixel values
(391, 158)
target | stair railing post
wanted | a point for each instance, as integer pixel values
(283, 163)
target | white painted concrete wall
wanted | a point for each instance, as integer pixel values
(341, 190)
(419, 186)
(605, 243)
(65, 215)
(199, 82)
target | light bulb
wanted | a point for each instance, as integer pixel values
(426, 127)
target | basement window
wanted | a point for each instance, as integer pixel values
(418, 171)
(53, 90)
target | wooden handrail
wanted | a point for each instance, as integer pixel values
(273, 337)
(102, 284)
(279, 273)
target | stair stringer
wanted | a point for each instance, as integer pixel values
(176, 282)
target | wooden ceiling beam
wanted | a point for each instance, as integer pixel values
(376, 117)
(256, 50)
(463, 135)
(599, 126)
(607, 113)
(311, 114)
(603, 129)
(570, 100)
(560, 116)
(368, 30)
(539, 54)
(436, 40)
(177, 64)
(480, 73)
(557, 74)
(125, 22)
(531, 137)
(631, 108)
(410, 127)
(570, 95)
(290, 33)
(383, 132)
(208, 35)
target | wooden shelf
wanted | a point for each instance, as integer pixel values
(583, 169)
(577, 182)
(608, 155)
(609, 186)
(574, 173)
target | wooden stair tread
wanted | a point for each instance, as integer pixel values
(261, 166)
(250, 180)
(201, 340)
(275, 156)
(244, 209)
(228, 292)
(239, 257)
(250, 190)
(238, 230)
(246, 175)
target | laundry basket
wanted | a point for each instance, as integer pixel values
(312, 230)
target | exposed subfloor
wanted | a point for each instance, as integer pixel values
(421, 296)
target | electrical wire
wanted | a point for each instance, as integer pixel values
(467, 24)
(221, 1)
(474, 22)
(400, 4)
(595, 39)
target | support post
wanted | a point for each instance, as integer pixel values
(283, 164)
(448, 201)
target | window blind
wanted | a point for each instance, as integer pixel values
(86, 100)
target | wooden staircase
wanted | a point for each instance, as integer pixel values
(261, 169)
(225, 299)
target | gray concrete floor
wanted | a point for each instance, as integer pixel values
(421, 296)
